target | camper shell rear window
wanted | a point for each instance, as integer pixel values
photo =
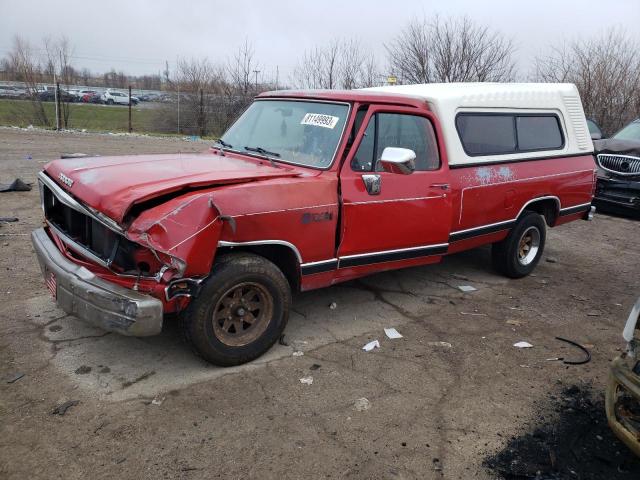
(489, 133)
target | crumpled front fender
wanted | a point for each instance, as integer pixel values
(186, 228)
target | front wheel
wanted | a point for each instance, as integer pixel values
(518, 254)
(240, 312)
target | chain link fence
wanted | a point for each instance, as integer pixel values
(116, 110)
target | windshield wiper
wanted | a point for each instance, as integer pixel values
(265, 153)
(262, 151)
(221, 144)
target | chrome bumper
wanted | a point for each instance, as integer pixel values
(81, 293)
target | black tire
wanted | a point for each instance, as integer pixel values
(232, 273)
(509, 258)
(110, 102)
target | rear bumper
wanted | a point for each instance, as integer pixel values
(621, 417)
(81, 293)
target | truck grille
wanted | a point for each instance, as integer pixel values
(100, 241)
(619, 164)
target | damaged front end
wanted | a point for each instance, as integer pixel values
(124, 277)
(623, 390)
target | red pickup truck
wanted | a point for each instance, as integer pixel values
(307, 189)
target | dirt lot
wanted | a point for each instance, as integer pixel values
(475, 408)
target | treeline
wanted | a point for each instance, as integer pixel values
(605, 68)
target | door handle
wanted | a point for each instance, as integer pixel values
(442, 186)
(373, 183)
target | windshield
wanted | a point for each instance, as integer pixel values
(630, 132)
(301, 132)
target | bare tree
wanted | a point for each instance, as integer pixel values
(341, 64)
(58, 60)
(606, 71)
(24, 62)
(241, 68)
(450, 50)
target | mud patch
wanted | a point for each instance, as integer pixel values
(573, 442)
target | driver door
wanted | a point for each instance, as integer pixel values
(390, 217)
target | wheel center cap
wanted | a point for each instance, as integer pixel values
(241, 311)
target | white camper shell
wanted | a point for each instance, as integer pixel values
(449, 100)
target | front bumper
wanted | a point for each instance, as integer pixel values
(618, 193)
(81, 293)
(623, 418)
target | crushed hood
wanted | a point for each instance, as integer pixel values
(112, 185)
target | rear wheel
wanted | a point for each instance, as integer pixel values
(240, 312)
(518, 254)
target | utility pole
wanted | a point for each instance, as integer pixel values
(256, 72)
(277, 76)
(130, 129)
(55, 95)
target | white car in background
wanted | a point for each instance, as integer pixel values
(117, 98)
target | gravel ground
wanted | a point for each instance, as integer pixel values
(147, 409)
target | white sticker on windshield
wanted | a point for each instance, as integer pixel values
(319, 120)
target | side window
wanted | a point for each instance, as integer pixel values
(408, 131)
(363, 158)
(486, 134)
(539, 133)
(397, 130)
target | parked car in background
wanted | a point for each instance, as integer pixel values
(308, 189)
(49, 95)
(10, 92)
(83, 95)
(622, 400)
(117, 98)
(618, 183)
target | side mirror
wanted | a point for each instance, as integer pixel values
(596, 136)
(398, 160)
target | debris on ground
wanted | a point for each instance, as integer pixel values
(15, 377)
(392, 333)
(586, 359)
(82, 370)
(307, 380)
(467, 288)
(8, 219)
(298, 353)
(282, 341)
(315, 366)
(593, 313)
(16, 186)
(333, 305)
(362, 404)
(371, 345)
(574, 442)
(62, 408)
(74, 155)
(475, 314)
(523, 345)
(515, 323)
(439, 344)
(552, 260)
(158, 400)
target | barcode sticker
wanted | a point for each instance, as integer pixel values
(320, 120)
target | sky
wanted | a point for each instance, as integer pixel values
(138, 36)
